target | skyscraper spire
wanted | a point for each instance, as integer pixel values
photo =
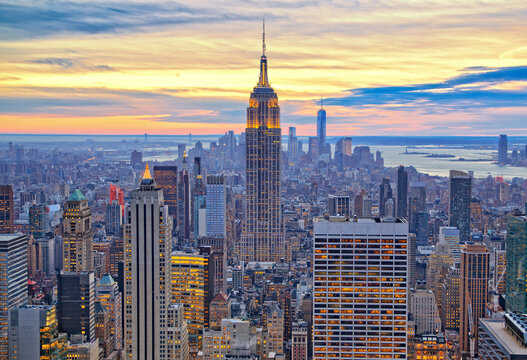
(263, 81)
(263, 37)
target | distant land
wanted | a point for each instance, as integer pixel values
(463, 141)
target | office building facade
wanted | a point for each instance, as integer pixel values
(460, 194)
(360, 279)
(77, 239)
(147, 276)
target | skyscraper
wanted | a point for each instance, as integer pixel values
(516, 269)
(321, 129)
(402, 192)
(263, 237)
(292, 145)
(190, 287)
(148, 243)
(502, 150)
(339, 205)
(76, 304)
(33, 334)
(167, 179)
(473, 295)
(114, 219)
(450, 236)
(38, 220)
(460, 193)
(13, 282)
(385, 193)
(417, 205)
(77, 240)
(360, 272)
(108, 295)
(7, 217)
(216, 207)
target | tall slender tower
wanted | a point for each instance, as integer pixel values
(402, 192)
(460, 194)
(321, 129)
(263, 238)
(473, 294)
(147, 245)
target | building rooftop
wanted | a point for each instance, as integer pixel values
(9, 237)
(496, 328)
(368, 220)
(77, 195)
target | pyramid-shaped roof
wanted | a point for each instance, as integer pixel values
(77, 195)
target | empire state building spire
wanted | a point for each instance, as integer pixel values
(263, 81)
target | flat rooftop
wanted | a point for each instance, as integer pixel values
(496, 327)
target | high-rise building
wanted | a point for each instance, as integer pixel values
(292, 145)
(77, 239)
(402, 192)
(114, 219)
(116, 193)
(177, 333)
(167, 179)
(220, 308)
(184, 202)
(34, 335)
(339, 205)
(108, 295)
(299, 341)
(7, 215)
(136, 159)
(416, 203)
(450, 235)
(103, 329)
(425, 313)
(473, 294)
(499, 274)
(385, 193)
(148, 244)
(516, 269)
(343, 153)
(46, 249)
(76, 304)
(312, 146)
(216, 207)
(450, 298)
(321, 130)
(347, 254)
(13, 282)
(502, 150)
(190, 287)
(38, 221)
(460, 193)
(263, 238)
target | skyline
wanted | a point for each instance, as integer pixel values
(382, 68)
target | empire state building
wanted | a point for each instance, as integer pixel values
(263, 236)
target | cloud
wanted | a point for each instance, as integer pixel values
(22, 19)
(67, 64)
(473, 89)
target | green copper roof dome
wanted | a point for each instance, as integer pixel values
(107, 279)
(77, 195)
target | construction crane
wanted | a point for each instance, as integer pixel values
(471, 334)
(493, 285)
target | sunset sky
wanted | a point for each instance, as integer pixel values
(407, 67)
